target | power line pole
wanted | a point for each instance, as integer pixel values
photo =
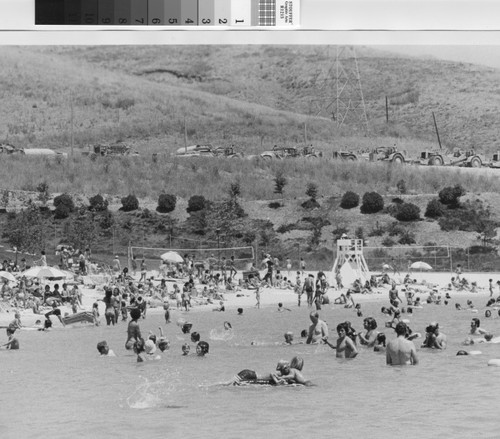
(348, 106)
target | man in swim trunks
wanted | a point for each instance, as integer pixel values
(400, 351)
(133, 330)
(318, 330)
(345, 347)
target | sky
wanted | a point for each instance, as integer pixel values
(477, 54)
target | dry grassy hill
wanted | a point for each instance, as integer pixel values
(254, 96)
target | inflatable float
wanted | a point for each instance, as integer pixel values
(81, 317)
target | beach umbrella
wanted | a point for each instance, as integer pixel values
(172, 257)
(420, 265)
(8, 276)
(41, 271)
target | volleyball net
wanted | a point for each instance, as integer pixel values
(153, 254)
(440, 258)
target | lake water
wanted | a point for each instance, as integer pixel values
(56, 385)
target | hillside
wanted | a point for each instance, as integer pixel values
(252, 96)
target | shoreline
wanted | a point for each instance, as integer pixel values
(272, 296)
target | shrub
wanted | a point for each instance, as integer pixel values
(310, 204)
(286, 228)
(401, 185)
(395, 229)
(378, 230)
(338, 232)
(274, 205)
(359, 233)
(129, 203)
(66, 200)
(481, 249)
(407, 238)
(98, 204)
(166, 203)
(312, 191)
(450, 196)
(349, 200)
(388, 242)
(408, 212)
(62, 211)
(196, 203)
(372, 203)
(434, 209)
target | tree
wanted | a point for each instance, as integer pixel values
(26, 230)
(196, 203)
(408, 212)
(372, 203)
(234, 189)
(450, 196)
(166, 203)
(434, 209)
(349, 200)
(280, 182)
(129, 203)
(312, 191)
(43, 193)
(98, 204)
(65, 200)
(82, 232)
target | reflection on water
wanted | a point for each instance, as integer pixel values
(69, 390)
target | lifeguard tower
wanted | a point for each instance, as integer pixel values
(350, 261)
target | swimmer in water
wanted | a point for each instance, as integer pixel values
(202, 348)
(369, 337)
(401, 351)
(434, 338)
(288, 338)
(227, 326)
(318, 330)
(185, 349)
(292, 373)
(281, 308)
(12, 342)
(195, 337)
(104, 349)
(380, 343)
(475, 328)
(133, 330)
(345, 347)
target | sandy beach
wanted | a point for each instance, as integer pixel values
(92, 290)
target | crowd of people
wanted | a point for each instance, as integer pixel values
(126, 299)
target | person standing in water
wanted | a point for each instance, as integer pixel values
(400, 351)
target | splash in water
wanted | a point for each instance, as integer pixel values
(150, 394)
(221, 335)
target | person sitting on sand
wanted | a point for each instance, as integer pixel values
(341, 300)
(318, 330)
(12, 342)
(345, 347)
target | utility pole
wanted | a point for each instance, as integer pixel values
(185, 136)
(72, 125)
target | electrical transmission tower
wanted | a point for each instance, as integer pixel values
(347, 106)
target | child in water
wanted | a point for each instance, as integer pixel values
(13, 342)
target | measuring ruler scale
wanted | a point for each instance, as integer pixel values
(169, 13)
